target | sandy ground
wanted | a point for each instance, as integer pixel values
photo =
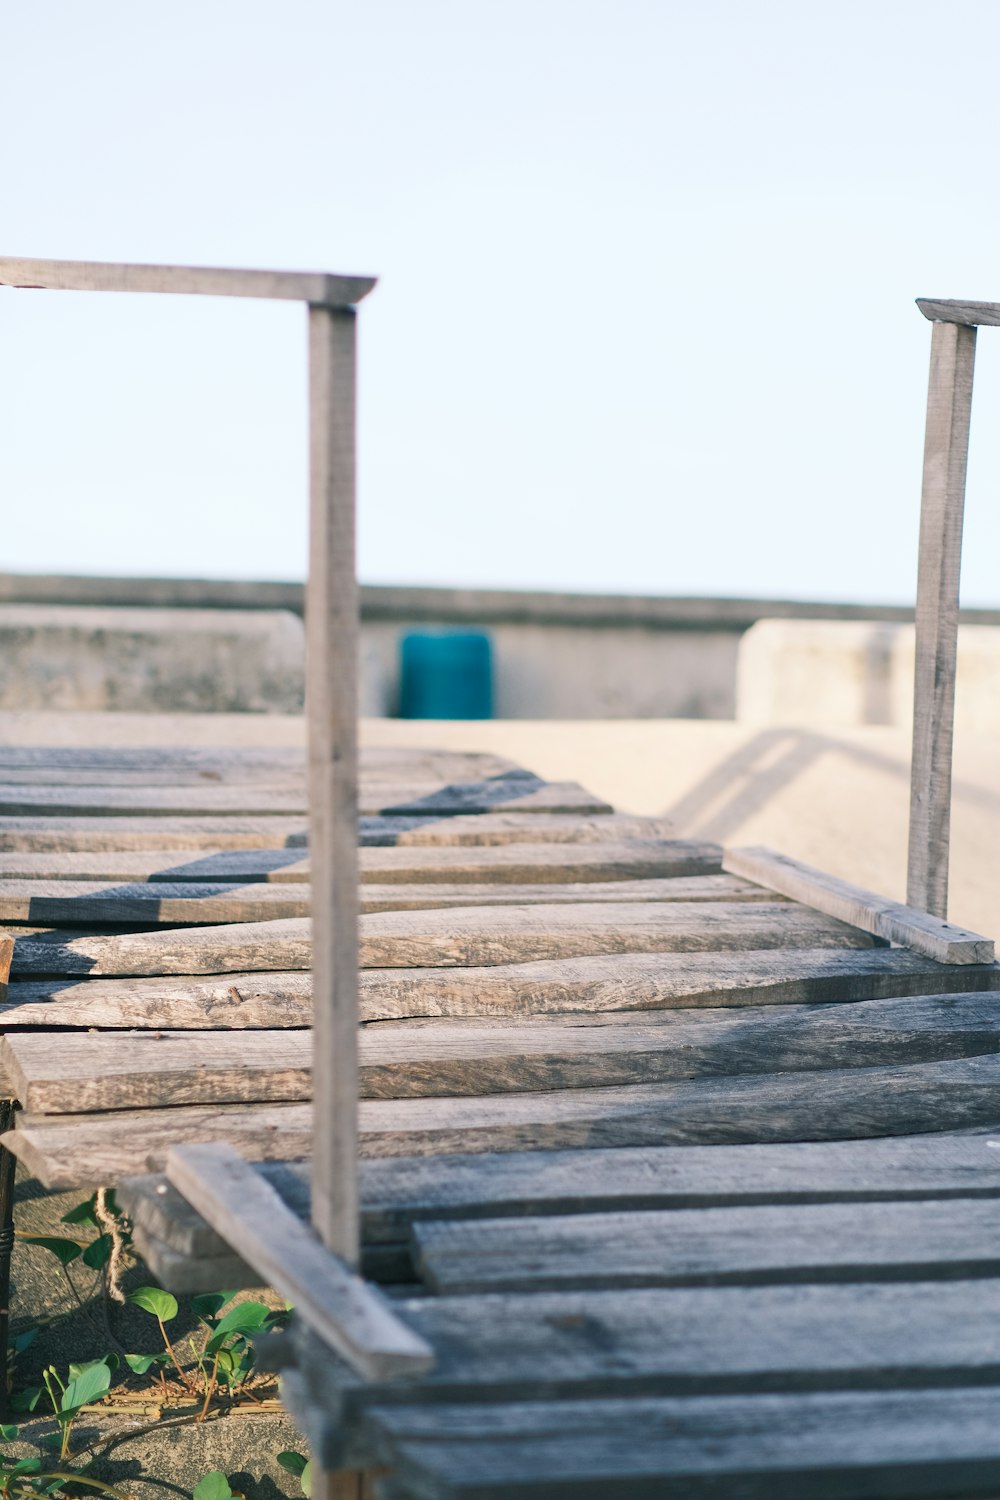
(835, 798)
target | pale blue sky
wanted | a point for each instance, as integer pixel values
(645, 319)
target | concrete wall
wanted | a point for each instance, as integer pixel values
(843, 673)
(557, 656)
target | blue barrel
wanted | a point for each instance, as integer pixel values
(446, 674)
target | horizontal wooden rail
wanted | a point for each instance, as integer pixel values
(348, 1313)
(949, 310)
(883, 918)
(320, 288)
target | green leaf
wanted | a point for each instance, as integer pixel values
(26, 1466)
(293, 1462)
(211, 1303)
(89, 1384)
(98, 1252)
(8, 1432)
(83, 1213)
(65, 1251)
(50, 1439)
(234, 1366)
(25, 1400)
(243, 1318)
(306, 1479)
(140, 1364)
(20, 1341)
(156, 1301)
(214, 1486)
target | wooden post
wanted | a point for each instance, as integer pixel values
(331, 707)
(946, 449)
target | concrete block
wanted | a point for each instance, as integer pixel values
(83, 657)
(832, 672)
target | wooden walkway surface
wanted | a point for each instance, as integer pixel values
(688, 1185)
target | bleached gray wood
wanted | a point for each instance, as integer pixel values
(401, 797)
(634, 859)
(836, 1104)
(230, 1000)
(54, 835)
(952, 1238)
(276, 831)
(414, 1059)
(913, 928)
(838, 1445)
(331, 710)
(532, 863)
(679, 888)
(397, 1193)
(638, 982)
(946, 451)
(951, 310)
(83, 903)
(587, 987)
(346, 1312)
(322, 287)
(453, 936)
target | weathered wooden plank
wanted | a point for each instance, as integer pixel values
(190, 902)
(73, 1150)
(43, 834)
(86, 902)
(532, 863)
(54, 835)
(522, 793)
(942, 505)
(421, 896)
(238, 1000)
(348, 1313)
(926, 934)
(420, 1059)
(642, 983)
(952, 310)
(952, 1238)
(638, 859)
(321, 287)
(397, 1192)
(650, 982)
(452, 936)
(829, 1445)
(226, 762)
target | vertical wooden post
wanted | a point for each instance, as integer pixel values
(331, 708)
(946, 450)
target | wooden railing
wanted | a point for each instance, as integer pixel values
(331, 679)
(946, 452)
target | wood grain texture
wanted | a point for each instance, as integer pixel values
(323, 287)
(332, 713)
(627, 982)
(534, 862)
(419, 1059)
(583, 987)
(945, 1238)
(397, 1193)
(931, 936)
(232, 1000)
(455, 936)
(837, 1104)
(838, 1445)
(57, 835)
(349, 1314)
(942, 506)
(951, 310)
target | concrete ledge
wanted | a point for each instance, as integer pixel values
(80, 658)
(835, 672)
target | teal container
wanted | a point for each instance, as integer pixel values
(446, 675)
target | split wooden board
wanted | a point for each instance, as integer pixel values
(416, 1059)
(834, 1104)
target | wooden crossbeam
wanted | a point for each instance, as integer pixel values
(321, 288)
(907, 925)
(348, 1313)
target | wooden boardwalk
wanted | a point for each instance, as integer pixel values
(688, 1186)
